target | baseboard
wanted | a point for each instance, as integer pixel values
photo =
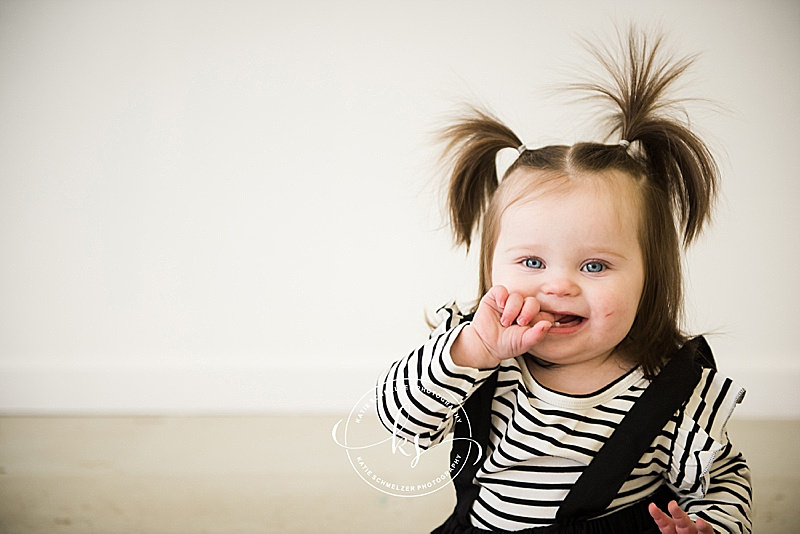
(179, 390)
(772, 391)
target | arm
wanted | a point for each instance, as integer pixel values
(725, 508)
(419, 395)
(709, 474)
(728, 501)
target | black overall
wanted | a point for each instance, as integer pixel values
(603, 477)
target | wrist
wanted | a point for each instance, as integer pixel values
(468, 350)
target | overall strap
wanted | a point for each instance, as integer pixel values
(471, 439)
(604, 476)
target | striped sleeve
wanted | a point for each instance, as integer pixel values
(709, 473)
(417, 396)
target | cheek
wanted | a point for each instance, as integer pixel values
(619, 306)
(502, 275)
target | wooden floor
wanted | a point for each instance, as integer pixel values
(261, 474)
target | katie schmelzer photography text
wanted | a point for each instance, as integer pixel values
(389, 459)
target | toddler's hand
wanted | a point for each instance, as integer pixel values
(679, 523)
(505, 326)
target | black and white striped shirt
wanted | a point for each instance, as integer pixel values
(542, 440)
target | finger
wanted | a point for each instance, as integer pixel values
(665, 523)
(511, 310)
(496, 298)
(493, 301)
(683, 523)
(704, 528)
(500, 295)
(545, 316)
(535, 334)
(530, 308)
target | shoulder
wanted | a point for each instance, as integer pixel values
(712, 403)
(447, 317)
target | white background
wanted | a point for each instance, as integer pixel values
(232, 207)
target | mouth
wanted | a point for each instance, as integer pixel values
(567, 320)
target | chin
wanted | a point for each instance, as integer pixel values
(558, 350)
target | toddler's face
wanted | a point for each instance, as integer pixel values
(576, 250)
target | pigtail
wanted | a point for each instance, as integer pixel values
(649, 139)
(471, 146)
(675, 160)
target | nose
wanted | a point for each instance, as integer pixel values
(560, 284)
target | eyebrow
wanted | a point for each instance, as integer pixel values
(590, 251)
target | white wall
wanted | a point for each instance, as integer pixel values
(230, 206)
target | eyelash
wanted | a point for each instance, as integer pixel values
(525, 262)
(603, 266)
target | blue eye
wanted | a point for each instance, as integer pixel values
(533, 263)
(594, 267)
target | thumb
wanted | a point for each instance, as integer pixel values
(535, 334)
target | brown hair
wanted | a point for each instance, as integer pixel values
(673, 168)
